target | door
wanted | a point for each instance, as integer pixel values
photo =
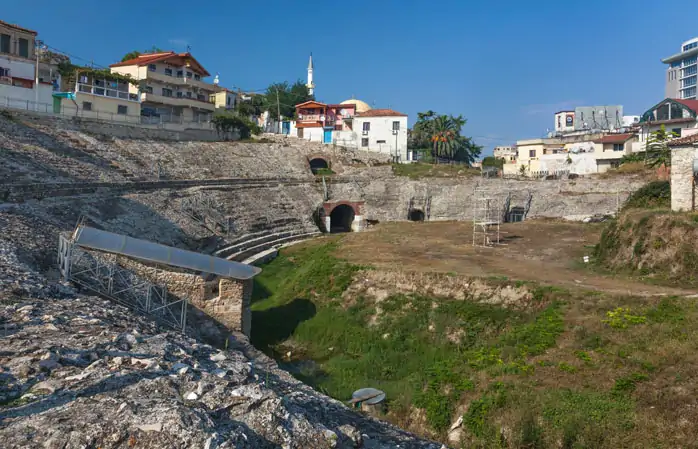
(327, 137)
(286, 128)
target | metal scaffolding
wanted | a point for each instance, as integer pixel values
(488, 212)
(100, 273)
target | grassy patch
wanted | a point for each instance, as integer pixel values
(323, 172)
(418, 170)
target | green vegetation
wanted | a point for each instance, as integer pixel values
(439, 137)
(323, 172)
(283, 97)
(419, 170)
(70, 72)
(491, 161)
(565, 371)
(227, 124)
(657, 150)
(654, 195)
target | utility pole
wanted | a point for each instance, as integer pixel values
(278, 113)
(37, 46)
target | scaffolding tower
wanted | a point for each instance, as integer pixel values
(488, 211)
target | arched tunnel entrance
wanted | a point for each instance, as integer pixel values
(341, 218)
(317, 164)
(416, 215)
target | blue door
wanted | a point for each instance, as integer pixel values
(286, 128)
(327, 138)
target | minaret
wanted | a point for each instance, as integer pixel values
(310, 85)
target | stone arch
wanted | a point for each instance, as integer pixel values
(319, 162)
(416, 215)
(341, 218)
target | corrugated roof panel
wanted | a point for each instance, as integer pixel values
(154, 252)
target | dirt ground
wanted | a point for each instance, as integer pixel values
(545, 251)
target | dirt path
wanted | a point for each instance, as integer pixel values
(549, 252)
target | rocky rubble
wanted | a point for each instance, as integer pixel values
(82, 372)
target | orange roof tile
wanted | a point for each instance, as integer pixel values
(17, 27)
(381, 113)
(688, 140)
(149, 58)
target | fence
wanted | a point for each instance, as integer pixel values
(70, 110)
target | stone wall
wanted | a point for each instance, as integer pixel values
(682, 184)
(227, 301)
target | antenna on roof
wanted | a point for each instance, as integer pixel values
(188, 48)
(215, 80)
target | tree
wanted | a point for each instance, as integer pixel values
(254, 107)
(440, 135)
(135, 53)
(289, 95)
(228, 124)
(656, 149)
(491, 161)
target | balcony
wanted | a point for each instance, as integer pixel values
(310, 117)
(191, 82)
(102, 91)
(175, 101)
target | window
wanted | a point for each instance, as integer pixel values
(201, 97)
(396, 126)
(197, 77)
(367, 127)
(166, 92)
(189, 74)
(690, 46)
(83, 79)
(179, 95)
(380, 141)
(121, 109)
(227, 101)
(675, 64)
(689, 93)
(531, 153)
(618, 147)
(4, 43)
(188, 94)
(690, 61)
(180, 73)
(692, 70)
(24, 47)
(168, 72)
(86, 106)
(690, 81)
(676, 132)
(364, 141)
(152, 67)
(4, 71)
(148, 89)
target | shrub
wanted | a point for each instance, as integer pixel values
(621, 318)
(226, 124)
(656, 194)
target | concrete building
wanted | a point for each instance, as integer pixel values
(354, 124)
(509, 154)
(99, 96)
(225, 99)
(682, 72)
(676, 115)
(18, 68)
(564, 122)
(172, 87)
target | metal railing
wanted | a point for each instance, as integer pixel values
(68, 110)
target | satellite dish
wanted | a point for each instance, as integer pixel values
(215, 80)
(322, 118)
(368, 396)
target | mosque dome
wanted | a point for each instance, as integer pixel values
(361, 106)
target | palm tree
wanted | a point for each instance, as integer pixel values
(448, 142)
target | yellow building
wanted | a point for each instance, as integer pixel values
(99, 95)
(172, 86)
(224, 99)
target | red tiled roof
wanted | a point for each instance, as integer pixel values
(17, 27)
(149, 58)
(615, 138)
(300, 105)
(381, 113)
(691, 104)
(688, 140)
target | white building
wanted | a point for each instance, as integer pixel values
(682, 73)
(507, 153)
(383, 131)
(18, 85)
(564, 122)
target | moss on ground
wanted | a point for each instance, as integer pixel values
(572, 368)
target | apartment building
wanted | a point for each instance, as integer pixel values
(172, 86)
(682, 72)
(18, 67)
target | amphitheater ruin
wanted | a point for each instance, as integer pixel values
(237, 202)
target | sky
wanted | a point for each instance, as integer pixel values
(506, 65)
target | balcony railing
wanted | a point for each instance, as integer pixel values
(310, 117)
(106, 92)
(178, 101)
(180, 81)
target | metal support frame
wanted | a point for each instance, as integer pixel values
(100, 273)
(488, 210)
